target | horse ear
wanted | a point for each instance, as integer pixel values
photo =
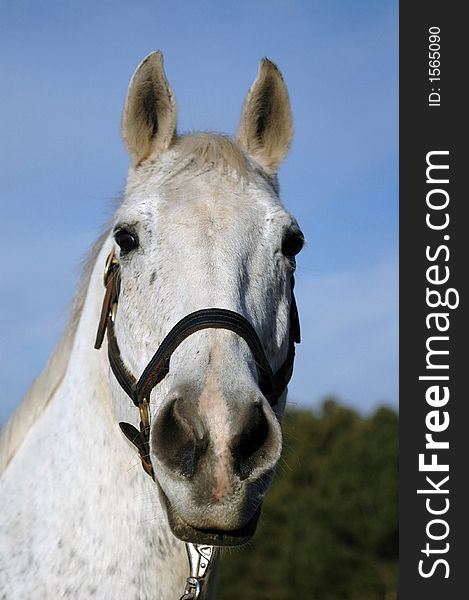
(266, 127)
(149, 117)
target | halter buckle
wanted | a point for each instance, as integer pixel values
(144, 416)
(199, 556)
(113, 311)
(111, 264)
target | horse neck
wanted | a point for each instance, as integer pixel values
(102, 455)
(95, 484)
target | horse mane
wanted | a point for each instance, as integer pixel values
(46, 383)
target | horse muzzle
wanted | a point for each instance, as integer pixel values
(214, 485)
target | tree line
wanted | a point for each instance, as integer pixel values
(329, 528)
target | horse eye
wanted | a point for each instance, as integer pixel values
(125, 240)
(292, 243)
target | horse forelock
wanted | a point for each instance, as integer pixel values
(214, 150)
(197, 152)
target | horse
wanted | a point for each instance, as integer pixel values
(199, 322)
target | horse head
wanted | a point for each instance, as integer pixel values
(202, 228)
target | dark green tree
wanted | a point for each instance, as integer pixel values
(329, 529)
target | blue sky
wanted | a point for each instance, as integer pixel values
(65, 69)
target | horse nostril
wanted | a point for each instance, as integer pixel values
(252, 444)
(179, 437)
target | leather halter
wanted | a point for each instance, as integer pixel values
(272, 385)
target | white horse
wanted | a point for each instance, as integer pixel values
(201, 225)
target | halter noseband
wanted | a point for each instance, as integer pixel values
(272, 385)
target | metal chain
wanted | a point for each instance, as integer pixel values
(193, 589)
